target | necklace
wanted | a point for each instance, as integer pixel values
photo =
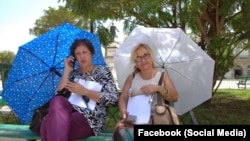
(89, 74)
(80, 71)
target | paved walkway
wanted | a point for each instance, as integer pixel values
(228, 84)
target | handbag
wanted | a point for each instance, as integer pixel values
(163, 114)
(41, 112)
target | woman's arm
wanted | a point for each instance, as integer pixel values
(123, 100)
(109, 94)
(168, 90)
(66, 72)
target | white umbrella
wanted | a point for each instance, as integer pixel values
(190, 68)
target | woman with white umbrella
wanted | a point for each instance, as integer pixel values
(144, 81)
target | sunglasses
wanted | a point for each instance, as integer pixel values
(145, 57)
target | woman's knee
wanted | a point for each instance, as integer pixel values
(58, 102)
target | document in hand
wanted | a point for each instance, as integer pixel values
(140, 106)
(77, 99)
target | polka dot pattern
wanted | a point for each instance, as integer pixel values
(36, 70)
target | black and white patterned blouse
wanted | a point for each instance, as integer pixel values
(108, 96)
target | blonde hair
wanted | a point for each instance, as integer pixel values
(133, 55)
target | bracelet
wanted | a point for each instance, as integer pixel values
(122, 112)
(166, 93)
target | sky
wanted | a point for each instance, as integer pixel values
(17, 16)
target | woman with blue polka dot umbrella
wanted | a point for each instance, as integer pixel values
(38, 66)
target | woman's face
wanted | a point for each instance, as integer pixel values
(83, 55)
(143, 59)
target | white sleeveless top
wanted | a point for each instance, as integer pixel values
(138, 82)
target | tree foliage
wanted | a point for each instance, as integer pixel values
(218, 26)
(53, 17)
(6, 59)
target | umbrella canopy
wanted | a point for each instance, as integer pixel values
(190, 68)
(38, 66)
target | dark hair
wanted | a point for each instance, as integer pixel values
(84, 42)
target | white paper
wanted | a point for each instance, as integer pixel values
(140, 106)
(77, 99)
(94, 86)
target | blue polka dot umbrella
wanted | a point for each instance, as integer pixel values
(38, 66)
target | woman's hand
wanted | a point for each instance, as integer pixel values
(124, 122)
(124, 114)
(149, 89)
(76, 88)
(69, 63)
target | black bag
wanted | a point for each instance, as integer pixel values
(38, 116)
(40, 113)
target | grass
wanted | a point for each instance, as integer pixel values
(228, 106)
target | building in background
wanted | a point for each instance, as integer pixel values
(109, 58)
(241, 67)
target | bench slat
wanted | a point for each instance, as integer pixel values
(23, 132)
(14, 127)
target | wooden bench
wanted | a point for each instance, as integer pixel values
(20, 131)
(23, 132)
(244, 82)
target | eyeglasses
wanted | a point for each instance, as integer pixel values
(145, 57)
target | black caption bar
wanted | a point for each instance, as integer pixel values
(191, 132)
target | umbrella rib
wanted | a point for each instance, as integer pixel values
(60, 63)
(56, 47)
(163, 62)
(183, 61)
(183, 75)
(54, 58)
(41, 84)
(36, 57)
(57, 73)
(174, 46)
(155, 48)
(30, 76)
